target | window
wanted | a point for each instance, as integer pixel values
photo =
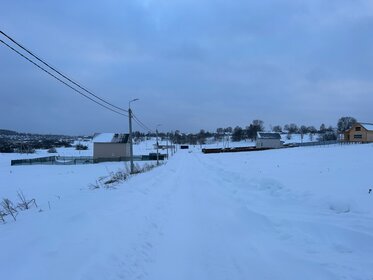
(358, 128)
(358, 136)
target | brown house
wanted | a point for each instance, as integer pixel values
(108, 146)
(359, 132)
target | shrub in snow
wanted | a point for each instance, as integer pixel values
(25, 150)
(115, 178)
(52, 150)
(25, 204)
(328, 136)
(9, 208)
(81, 147)
(2, 215)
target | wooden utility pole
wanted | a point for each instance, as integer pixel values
(130, 138)
(157, 147)
(130, 134)
(167, 147)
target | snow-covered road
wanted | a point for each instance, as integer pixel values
(198, 217)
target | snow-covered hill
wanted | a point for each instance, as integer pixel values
(300, 213)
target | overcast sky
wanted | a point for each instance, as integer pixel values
(193, 64)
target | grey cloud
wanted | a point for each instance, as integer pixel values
(193, 64)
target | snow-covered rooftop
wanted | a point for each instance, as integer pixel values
(110, 138)
(367, 126)
(103, 138)
(269, 135)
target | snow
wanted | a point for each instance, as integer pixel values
(297, 213)
(297, 138)
(103, 138)
(224, 143)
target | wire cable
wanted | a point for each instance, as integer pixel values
(61, 74)
(141, 126)
(141, 123)
(60, 80)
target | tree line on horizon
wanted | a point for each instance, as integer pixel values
(250, 132)
(10, 144)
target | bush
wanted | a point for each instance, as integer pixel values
(7, 207)
(328, 136)
(52, 150)
(25, 150)
(81, 147)
(115, 178)
(6, 149)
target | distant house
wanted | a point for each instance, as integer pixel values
(108, 146)
(359, 132)
(268, 140)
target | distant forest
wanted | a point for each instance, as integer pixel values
(250, 132)
(12, 141)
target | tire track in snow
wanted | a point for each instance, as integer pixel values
(202, 225)
(143, 251)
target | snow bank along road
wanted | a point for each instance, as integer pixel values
(301, 213)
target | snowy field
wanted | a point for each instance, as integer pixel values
(299, 213)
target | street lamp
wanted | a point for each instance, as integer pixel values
(130, 133)
(129, 102)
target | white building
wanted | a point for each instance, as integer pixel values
(268, 140)
(108, 146)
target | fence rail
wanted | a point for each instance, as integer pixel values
(321, 143)
(70, 160)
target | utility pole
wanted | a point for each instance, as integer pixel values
(130, 134)
(156, 131)
(172, 147)
(130, 138)
(167, 147)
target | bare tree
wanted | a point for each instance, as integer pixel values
(277, 128)
(291, 128)
(345, 123)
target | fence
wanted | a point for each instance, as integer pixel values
(321, 143)
(289, 145)
(53, 160)
(233, 150)
(66, 160)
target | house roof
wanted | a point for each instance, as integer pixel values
(110, 138)
(269, 135)
(367, 126)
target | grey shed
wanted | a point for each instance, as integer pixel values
(110, 146)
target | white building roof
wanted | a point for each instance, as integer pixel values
(103, 138)
(367, 126)
(110, 138)
(269, 135)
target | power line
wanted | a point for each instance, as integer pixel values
(61, 74)
(141, 126)
(141, 123)
(60, 80)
